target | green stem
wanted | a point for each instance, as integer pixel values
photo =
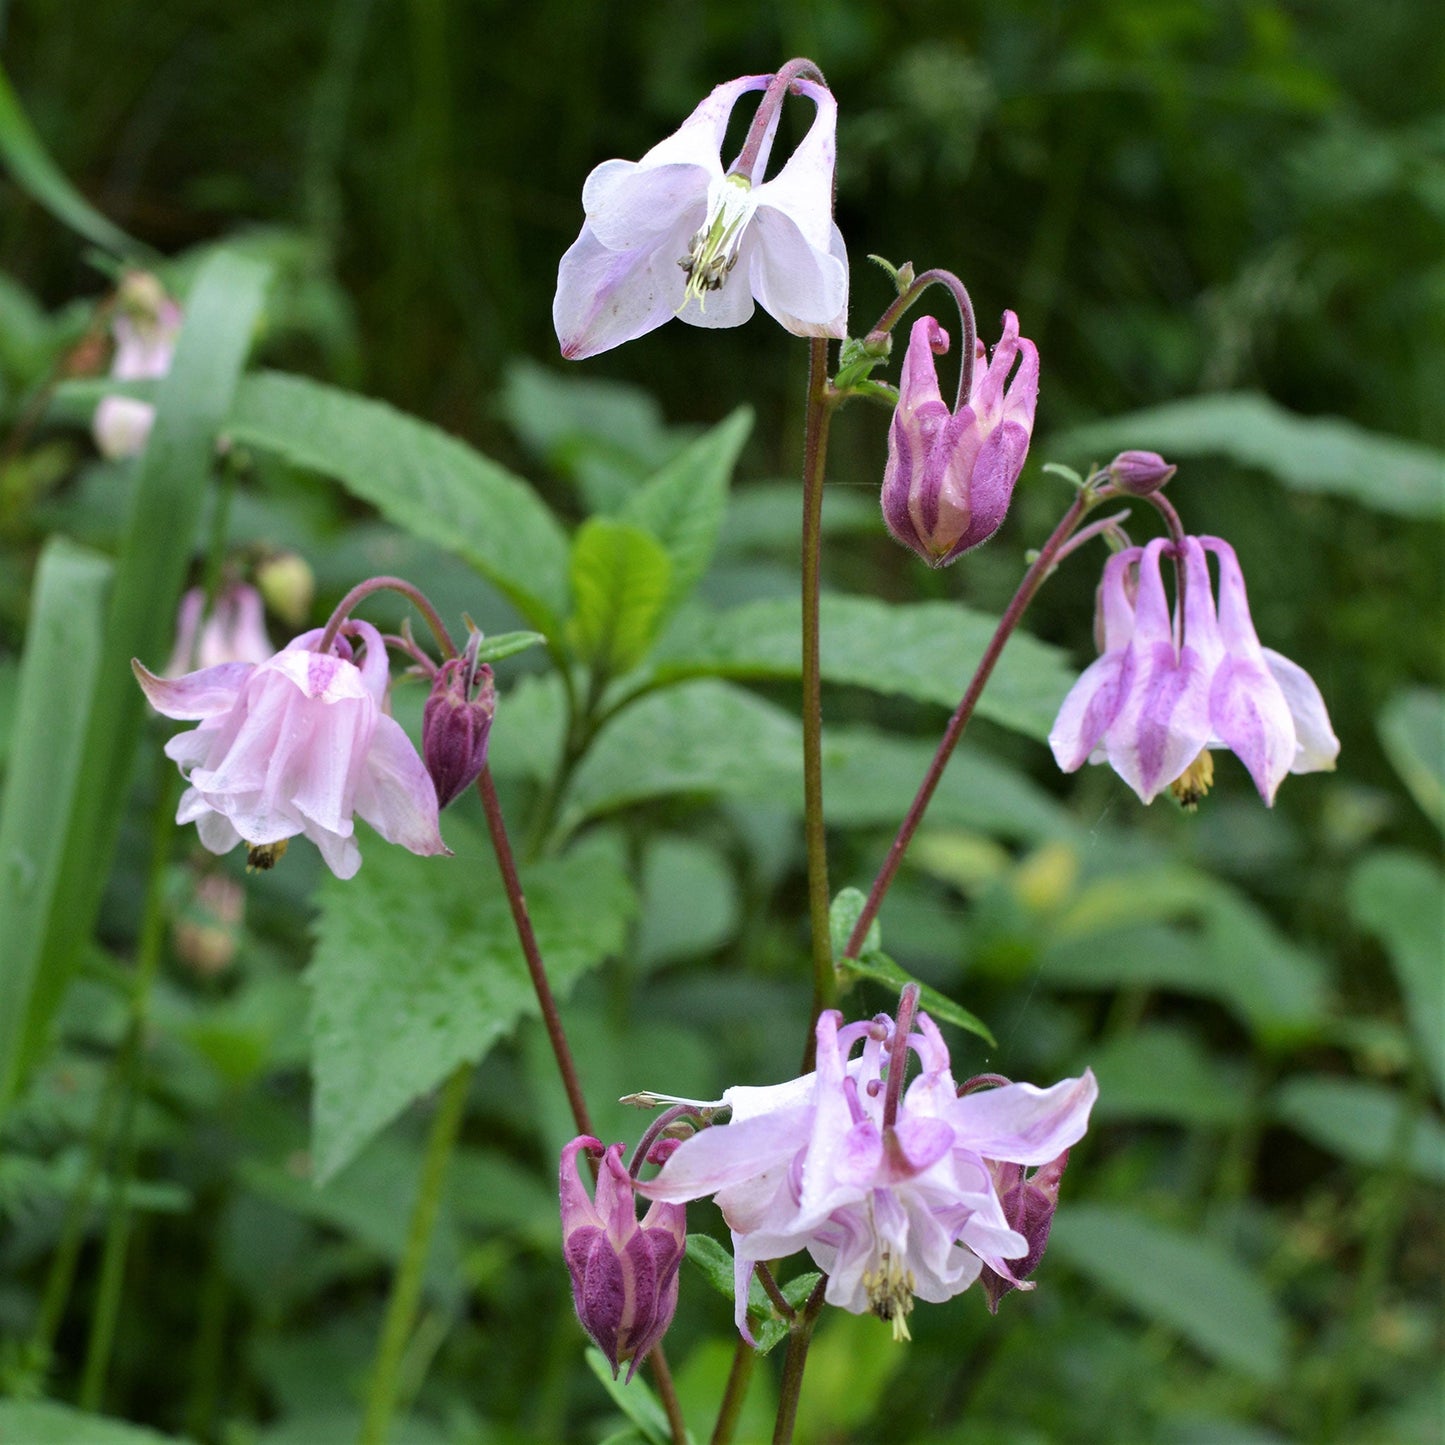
(793, 1364)
(407, 1284)
(129, 1071)
(815, 460)
(734, 1393)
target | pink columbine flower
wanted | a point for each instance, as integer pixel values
(950, 475)
(145, 330)
(890, 1209)
(297, 744)
(674, 235)
(233, 631)
(624, 1274)
(1167, 688)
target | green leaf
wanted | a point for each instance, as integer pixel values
(1162, 1073)
(1182, 1280)
(690, 902)
(768, 1326)
(507, 644)
(882, 969)
(1363, 1122)
(683, 505)
(843, 916)
(43, 1422)
(52, 716)
(1400, 898)
(425, 481)
(1307, 454)
(621, 578)
(419, 969)
(769, 517)
(927, 651)
(635, 1400)
(1412, 729)
(44, 182)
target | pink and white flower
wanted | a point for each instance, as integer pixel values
(675, 235)
(145, 342)
(298, 744)
(890, 1208)
(233, 631)
(1170, 687)
(950, 475)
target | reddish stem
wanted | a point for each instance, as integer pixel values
(414, 595)
(964, 302)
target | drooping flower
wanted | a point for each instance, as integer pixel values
(1171, 685)
(233, 631)
(146, 326)
(456, 722)
(950, 475)
(297, 744)
(674, 235)
(624, 1274)
(1029, 1202)
(890, 1207)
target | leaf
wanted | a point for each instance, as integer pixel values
(690, 902)
(425, 481)
(635, 1399)
(769, 1328)
(683, 505)
(1400, 898)
(419, 969)
(1307, 454)
(1412, 728)
(882, 969)
(44, 182)
(1363, 1122)
(1161, 1073)
(1182, 1280)
(507, 644)
(843, 916)
(927, 651)
(43, 1422)
(621, 577)
(770, 516)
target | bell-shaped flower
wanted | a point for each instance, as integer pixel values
(950, 475)
(145, 328)
(456, 723)
(233, 631)
(624, 1274)
(675, 235)
(297, 744)
(1172, 684)
(890, 1208)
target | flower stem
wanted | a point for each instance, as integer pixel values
(414, 595)
(815, 457)
(406, 1285)
(662, 1378)
(797, 1357)
(765, 117)
(1033, 580)
(969, 345)
(734, 1393)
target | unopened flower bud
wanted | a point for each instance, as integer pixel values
(233, 631)
(288, 585)
(1140, 473)
(456, 722)
(624, 1274)
(1028, 1205)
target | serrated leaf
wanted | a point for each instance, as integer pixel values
(417, 476)
(1308, 454)
(882, 969)
(926, 651)
(621, 580)
(683, 505)
(420, 970)
(1412, 728)
(1363, 1122)
(1184, 1281)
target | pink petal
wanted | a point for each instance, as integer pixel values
(203, 694)
(1248, 713)
(1316, 746)
(1024, 1124)
(395, 793)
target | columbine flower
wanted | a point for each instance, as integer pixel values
(297, 744)
(456, 723)
(1029, 1202)
(673, 235)
(624, 1274)
(1141, 474)
(146, 326)
(950, 475)
(890, 1206)
(1167, 689)
(234, 630)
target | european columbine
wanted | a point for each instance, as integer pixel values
(297, 744)
(456, 723)
(233, 631)
(674, 235)
(950, 475)
(146, 326)
(1169, 688)
(892, 1193)
(624, 1274)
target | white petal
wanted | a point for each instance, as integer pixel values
(803, 287)
(1317, 746)
(803, 189)
(634, 212)
(1022, 1124)
(698, 140)
(202, 694)
(395, 794)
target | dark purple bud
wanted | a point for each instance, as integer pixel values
(455, 724)
(1028, 1205)
(1140, 473)
(624, 1274)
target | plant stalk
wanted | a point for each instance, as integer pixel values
(796, 1359)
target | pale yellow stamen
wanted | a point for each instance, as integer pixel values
(262, 857)
(1194, 782)
(890, 1294)
(713, 251)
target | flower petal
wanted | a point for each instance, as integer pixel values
(1316, 746)
(803, 188)
(802, 286)
(698, 140)
(395, 793)
(1023, 1124)
(203, 694)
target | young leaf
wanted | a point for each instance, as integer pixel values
(621, 578)
(882, 969)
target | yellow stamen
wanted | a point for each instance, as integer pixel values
(1194, 782)
(262, 857)
(890, 1294)
(714, 249)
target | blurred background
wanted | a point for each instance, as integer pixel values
(1224, 226)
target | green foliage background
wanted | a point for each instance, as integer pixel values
(1223, 226)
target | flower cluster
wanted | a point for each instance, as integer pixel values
(894, 1193)
(1171, 685)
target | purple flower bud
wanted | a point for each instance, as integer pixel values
(1028, 1205)
(624, 1274)
(1140, 473)
(455, 724)
(951, 475)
